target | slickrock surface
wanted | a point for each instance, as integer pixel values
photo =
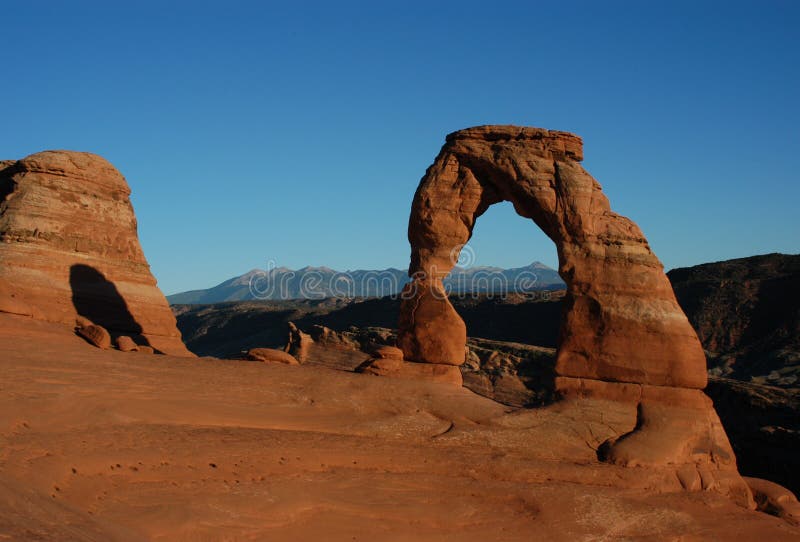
(70, 248)
(105, 445)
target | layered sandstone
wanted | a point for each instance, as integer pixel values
(621, 323)
(70, 249)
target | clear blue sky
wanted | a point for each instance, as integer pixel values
(298, 131)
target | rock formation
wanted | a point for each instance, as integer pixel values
(387, 352)
(126, 344)
(271, 355)
(747, 314)
(433, 372)
(622, 322)
(96, 335)
(324, 346)
(776, 500)
(623, 335)
(71, 251)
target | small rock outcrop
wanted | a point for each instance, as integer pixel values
(96, 335)
(324, 346)
(775, 499)
(126, 344)
(431, 372)
(388, 360)
(70, 249)
(387, 352)
(271, 355)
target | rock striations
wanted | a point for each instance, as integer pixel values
(70, 249)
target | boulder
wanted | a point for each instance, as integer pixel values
(326, 347)
(271, 355)
(299, 343)
(96, 335)
(387, 352)
(126, 344)
(775, 499)
(71, 248)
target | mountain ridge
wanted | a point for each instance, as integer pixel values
(322, 282)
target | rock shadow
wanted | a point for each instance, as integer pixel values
(97, 299)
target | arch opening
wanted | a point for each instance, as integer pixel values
(500, 289)
(507, 306)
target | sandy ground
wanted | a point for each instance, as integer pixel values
(101, 445)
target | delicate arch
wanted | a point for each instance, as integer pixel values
(621, 321)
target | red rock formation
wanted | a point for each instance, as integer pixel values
(775, 499)
(387, 352)
(623, 335)
(271, 355)
(70, 249)
(126, 344)
(326, 347)
(622, 322)
(431, 372)
(96, 335)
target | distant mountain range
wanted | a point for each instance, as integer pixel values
(323, 282)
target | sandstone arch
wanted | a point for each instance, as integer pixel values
(623, 337)
(621, 322)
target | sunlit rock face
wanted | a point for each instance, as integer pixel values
(621, 322)
(70, 249)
